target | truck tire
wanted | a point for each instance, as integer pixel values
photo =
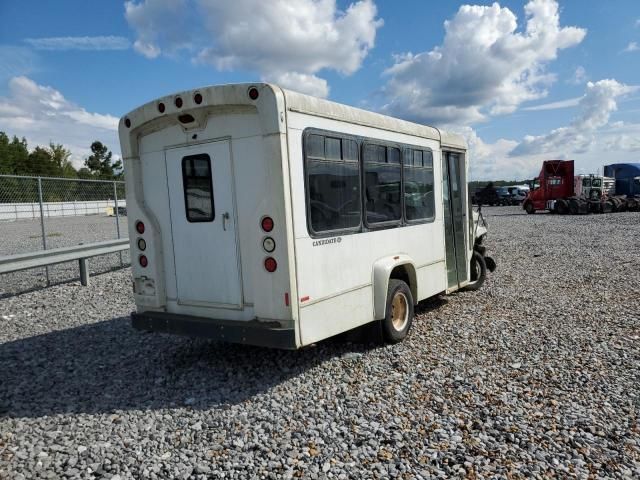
(528, 207)
(399, 312)
(574, 207)
(562, 207)
(478, 272)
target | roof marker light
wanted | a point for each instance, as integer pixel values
(254, 93)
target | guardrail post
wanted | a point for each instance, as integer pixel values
(84, 271)
(44, 235)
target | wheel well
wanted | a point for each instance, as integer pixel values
(407, 274)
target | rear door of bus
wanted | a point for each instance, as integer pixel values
(203, 225)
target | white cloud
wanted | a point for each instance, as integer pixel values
(42, 114)
(80, 43)
(161, 25)
(632, 47)
(596, 107)
(579, 77)
(570, 102)
(483, 67)
(16, 61)
(288, 42)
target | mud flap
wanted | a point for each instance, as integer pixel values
(491, 263)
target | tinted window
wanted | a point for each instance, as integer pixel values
(198, 188)
(333, 183)
(382, 177)
(419, 202)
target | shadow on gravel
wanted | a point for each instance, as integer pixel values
(107, 366)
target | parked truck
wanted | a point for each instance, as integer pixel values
(558, 190)
(626, 177)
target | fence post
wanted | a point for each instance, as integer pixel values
(44, 234)
(115, 196)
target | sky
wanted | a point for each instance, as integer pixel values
(523, 81)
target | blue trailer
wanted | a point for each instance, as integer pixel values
(627, 177)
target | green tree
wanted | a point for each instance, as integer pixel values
(100, 162)
(61, 158)
(41, 163)
(14, 155)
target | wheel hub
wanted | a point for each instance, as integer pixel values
(399, 311)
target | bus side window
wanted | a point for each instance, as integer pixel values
(419, 201)
(333, 183)
(382, 175)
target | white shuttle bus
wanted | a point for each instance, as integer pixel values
(264, 216)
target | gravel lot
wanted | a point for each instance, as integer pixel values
(535, 375)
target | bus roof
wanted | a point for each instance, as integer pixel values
(299, 102)
(294, 101)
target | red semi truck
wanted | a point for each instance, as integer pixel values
(557, 190)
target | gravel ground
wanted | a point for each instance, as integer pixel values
(26, 236)
(535, 375)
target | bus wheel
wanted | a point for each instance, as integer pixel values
(528, 207)
(399, 312)
(478, 272)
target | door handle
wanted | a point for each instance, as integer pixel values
(225, 217)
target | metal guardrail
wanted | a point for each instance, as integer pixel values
(44, 258)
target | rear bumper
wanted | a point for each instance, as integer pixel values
(250, 333)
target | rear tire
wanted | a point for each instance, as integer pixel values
(562, 207)
(528, 207)
(399, 312)
(478, 272)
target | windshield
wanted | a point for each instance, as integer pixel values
(596, 182)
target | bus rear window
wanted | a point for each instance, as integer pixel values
(198, 188)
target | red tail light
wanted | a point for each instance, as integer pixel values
(140, 227)
(143, 261)
(267, 224)
(270, 264)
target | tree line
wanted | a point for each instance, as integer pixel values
(54, 161)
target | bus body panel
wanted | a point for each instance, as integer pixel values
(255, 172)
(323, 285)
(338, 269)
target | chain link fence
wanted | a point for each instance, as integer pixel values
(43, 213)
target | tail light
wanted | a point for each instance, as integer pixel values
(270, 264)
(143, 260)
(267, 224)
(139, 227)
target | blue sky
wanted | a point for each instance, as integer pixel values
(69, 68)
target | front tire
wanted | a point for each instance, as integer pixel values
(528, 207)
(399, 312)
(478, 272)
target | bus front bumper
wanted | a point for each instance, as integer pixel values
(251, 333)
